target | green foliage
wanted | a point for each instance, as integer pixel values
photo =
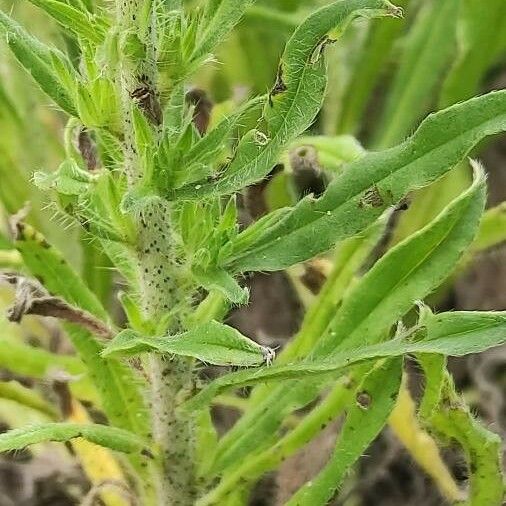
(212, 343)
(109, 437)
(78, 21)
(295, 99)
(450, 334)
(375, 399)
(38, 59)
(427, 52)
(178, 174)
(370, 185)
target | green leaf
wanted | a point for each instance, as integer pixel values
(51, 269)
(103, 435)
(372, 306)
(350, 257)
(224, 283)
(492, 230)
(430, 45)
(69, 179)
(375, 399)
(218, 20)
(434, 369)
(75, 20)
(14, 391)
(448, 334)
(295, 99)
(212, 343)
(199, 158)
(38, 363)
(369, 185)
(118, 385)
(37, 59)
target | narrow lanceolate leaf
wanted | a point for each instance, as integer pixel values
(212, 342)
(16, 392)
(220, 17)
(52, 271)
(430, 45)
(103, 435)
(409, 272)
(118, 386)
(295, 99)
(450, 334)
(370, 185)
(376, 398)
(37, 59)
(74, 20)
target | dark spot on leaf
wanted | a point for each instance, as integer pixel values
(146, 453)
(364, 400)
(403, 205)
(371, 198)
(279, 85)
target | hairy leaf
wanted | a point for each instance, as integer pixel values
(371, 307)
(211, 342)
(220, 280)
(450, 334)
(218, 20)
(117, 384)
(453, 421)
(375, 399)
(369, 185)
(75, 20)
(295, 99)
(103, 435)
(37, 59)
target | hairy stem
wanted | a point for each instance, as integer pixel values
(161, 277)
(163, 288)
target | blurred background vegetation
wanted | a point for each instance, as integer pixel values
(385, 76)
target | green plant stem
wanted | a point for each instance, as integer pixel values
(162, 288)
(160, 276)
